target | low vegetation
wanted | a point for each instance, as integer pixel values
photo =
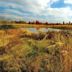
(36, 52)
(4, 27)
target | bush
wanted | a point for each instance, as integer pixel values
(4, 27)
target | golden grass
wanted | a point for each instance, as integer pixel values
(23, 25)
(27, 54)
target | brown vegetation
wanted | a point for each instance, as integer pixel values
(36, 52)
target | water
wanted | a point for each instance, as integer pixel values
(41, 29)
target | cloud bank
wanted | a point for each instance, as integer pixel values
(41, 10)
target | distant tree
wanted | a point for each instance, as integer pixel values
(29, 22)
(57, 23)
(33, 22)
(69, 22)
(63, 22)
(46, 23)
(37, 22)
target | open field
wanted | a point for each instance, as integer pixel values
(59, 26)
(22, 50)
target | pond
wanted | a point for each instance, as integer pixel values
(41, 29)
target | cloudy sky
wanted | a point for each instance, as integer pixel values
(42, 10)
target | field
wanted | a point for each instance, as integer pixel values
(23, 25)
(22, 50)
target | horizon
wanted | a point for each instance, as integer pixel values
(52, 11)
(35, 21)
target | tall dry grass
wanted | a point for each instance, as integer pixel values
(51, 53)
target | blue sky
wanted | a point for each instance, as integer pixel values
(31, 10)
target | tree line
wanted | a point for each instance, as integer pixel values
(39, 23)
(33, 22)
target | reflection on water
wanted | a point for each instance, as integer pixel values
(41, 29)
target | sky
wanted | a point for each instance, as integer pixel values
(32, 10)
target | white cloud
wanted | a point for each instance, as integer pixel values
(11, 17)
(58, 14)
(68, 1)
(37, 8)
(61, 12)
